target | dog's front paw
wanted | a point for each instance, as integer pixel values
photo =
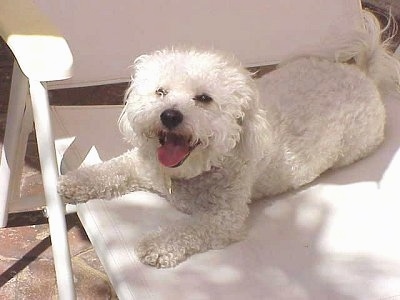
(159, 252)
(72, 188)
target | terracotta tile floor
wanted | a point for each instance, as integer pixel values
(26, 266)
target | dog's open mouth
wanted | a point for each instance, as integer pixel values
(174, 149)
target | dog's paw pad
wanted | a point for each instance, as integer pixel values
(158, 255)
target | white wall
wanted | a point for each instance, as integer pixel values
(106, 36)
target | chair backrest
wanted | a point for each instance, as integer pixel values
(41, 51)
(106, 36)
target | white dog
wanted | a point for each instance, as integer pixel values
(204, 139)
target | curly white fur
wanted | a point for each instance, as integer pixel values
(315, 113)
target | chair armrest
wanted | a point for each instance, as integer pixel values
(41, 51)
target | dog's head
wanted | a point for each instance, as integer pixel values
(189, 110)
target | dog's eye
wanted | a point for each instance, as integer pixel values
(161, 92)
(203, 98)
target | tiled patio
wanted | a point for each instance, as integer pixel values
(26, 266)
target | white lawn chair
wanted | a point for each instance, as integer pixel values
(41, 55)
(336, 239)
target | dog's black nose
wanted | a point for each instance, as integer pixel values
(171, 118)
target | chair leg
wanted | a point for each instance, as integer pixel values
(18, 126)
(55, 206)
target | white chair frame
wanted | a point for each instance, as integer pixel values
(41, 55)
(29, 104)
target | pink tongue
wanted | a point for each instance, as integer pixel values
(172, 153)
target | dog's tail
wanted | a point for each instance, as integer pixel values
(372, 54)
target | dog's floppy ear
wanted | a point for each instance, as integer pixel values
(256, 132)
(124, 124)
